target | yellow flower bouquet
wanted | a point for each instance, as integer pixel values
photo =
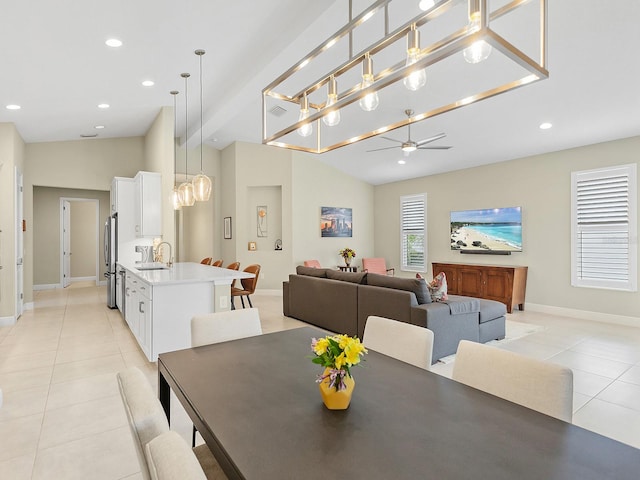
(337, 353)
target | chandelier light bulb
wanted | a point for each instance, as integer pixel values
(480, 50)
(332, 118)
(369, 102)
(418, 78)
(306, 129)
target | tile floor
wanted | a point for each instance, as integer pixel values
(58, 365)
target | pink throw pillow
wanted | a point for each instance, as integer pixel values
(438, 288)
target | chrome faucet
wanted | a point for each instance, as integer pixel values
(158, 251)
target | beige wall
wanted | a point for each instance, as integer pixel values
(317, 185)
(84, 241)
(541, 185)
(82, 164)
(46, 228)
(293, 186)
(12, 152)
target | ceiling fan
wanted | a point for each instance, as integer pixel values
(409, 145)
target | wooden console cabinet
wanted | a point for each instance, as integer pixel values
(501, 283)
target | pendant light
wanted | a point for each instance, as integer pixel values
(186, 187)
(176, 194)
(306, 129)
(369, 102)
(480, 50)
(418, 78)
(201, 183)
(332, 118)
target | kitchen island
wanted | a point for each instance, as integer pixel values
(160, 302)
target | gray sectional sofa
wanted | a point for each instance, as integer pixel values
(341, 302)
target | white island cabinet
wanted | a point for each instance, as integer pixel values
(159, 304)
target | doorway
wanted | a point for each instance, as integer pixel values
(19, 219)
(79, 240)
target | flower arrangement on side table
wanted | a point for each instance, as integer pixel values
(337, 354)
(347, 254)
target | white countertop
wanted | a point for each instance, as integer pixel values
(187, 273)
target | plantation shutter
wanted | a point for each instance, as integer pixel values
(604, 241)
(413, 232)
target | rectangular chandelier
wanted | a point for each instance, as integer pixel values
(449, 56)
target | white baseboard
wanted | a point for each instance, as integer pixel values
(272, 292)
(7, 321)
(47, 286)
(82, 279)
(585, 315)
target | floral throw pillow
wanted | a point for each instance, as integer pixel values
(438, 288)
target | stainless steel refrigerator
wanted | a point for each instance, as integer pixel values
(111, 257)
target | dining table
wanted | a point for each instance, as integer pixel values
(256, 404)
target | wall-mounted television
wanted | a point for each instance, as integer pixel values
(492, 230)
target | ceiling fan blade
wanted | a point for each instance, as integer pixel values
(385, 148)
(434, 148)
(431, 139)
(392, 139)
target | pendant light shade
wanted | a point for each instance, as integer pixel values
(186, 187)
(201, 183)
(176, 195)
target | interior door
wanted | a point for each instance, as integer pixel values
(19, 245)
(66, 243)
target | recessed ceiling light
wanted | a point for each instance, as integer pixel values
(148, 83)
(426, 4)
(103, 105)
(99, 127)
(13, 107)
(401, 162)
(545, 126)
(114, 42)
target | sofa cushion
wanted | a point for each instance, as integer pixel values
(311, 271)
(416, 285)
(459, 305)
(438, 288)
(359, 278)
(490, 310)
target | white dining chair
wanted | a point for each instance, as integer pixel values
(148, 421)
(224, 326)
(170, 458)
(220, 327)
(542, 386)
(402, 341)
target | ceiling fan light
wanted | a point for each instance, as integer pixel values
(408, 148)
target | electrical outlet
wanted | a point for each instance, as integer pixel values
(224, 301)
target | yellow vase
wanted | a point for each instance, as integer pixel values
(333, 399)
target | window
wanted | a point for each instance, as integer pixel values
(604, 228)
(413, 215)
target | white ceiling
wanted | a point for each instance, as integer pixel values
(54, 63)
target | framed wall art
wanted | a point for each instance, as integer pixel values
(336, 222)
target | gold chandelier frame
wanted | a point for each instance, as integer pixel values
(435, 52)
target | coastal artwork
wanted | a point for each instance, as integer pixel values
(335, 222)
(491, 230)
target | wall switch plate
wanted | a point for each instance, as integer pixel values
(224, 301)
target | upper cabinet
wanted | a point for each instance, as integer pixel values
(148, 204)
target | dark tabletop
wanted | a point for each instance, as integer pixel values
(258, 408)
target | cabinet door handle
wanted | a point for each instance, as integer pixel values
(140, 304)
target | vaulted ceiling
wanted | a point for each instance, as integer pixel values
(55, 64)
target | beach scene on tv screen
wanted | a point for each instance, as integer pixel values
(494, 229)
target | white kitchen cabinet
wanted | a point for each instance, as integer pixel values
(139, 311)
(148, 204)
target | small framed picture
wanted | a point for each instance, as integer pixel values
(253, 246)
(227, 228)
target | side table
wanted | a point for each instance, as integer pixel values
(345, 268)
